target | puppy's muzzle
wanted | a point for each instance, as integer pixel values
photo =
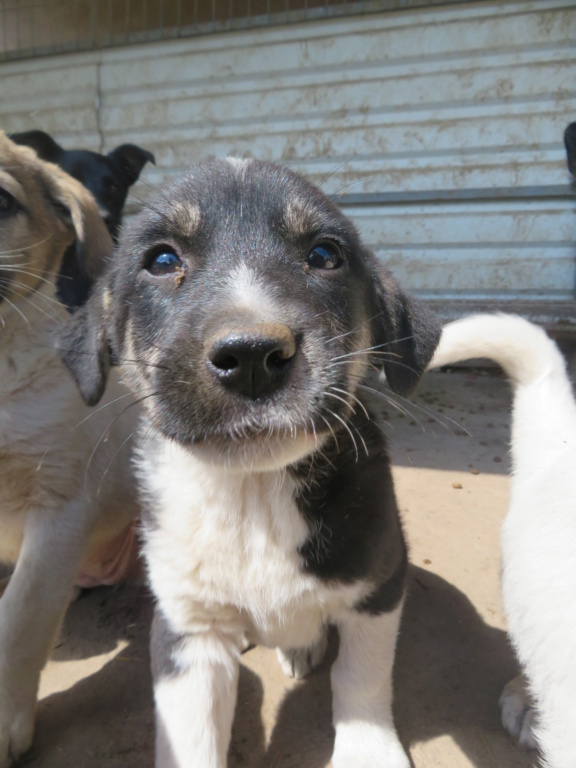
(252, 361)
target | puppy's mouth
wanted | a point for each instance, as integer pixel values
(266, 440)
(255, 397)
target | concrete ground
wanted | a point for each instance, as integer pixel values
(449, 449)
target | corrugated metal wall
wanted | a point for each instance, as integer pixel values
(440, 130)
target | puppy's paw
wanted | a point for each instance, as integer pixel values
(367, 745)
(16, 732)
(299, 662)
(518, 712)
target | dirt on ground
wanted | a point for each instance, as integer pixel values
(450, 457)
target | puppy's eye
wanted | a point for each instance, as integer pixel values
(7, 202)
(165, 263)
(325, 256)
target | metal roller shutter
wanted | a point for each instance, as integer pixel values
(438, 130)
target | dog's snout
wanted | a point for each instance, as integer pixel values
(252, 361)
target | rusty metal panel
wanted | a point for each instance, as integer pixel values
(61, 99)
(421, 124)
(479, 250)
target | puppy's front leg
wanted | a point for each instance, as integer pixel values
(195, 686)
(362, 693)
(31, 610)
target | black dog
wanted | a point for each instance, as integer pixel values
(108, 177)
(245, 312)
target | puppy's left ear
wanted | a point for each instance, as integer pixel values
(131, 159)
(85, 259)
(405, 334)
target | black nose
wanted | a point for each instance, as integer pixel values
(252, 361)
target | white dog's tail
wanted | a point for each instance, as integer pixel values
(523, 349)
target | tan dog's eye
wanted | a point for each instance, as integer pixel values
(7, 202)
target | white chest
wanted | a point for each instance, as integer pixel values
(223, 546)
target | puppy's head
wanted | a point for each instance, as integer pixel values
(245, 311)
(42, 212)
(108, 177)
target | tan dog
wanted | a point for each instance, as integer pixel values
(65, 481)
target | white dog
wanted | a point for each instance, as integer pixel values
(65, 492)
(539, 533)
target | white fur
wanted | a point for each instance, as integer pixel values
(54, 496)
(539, 533)
(362, 693)
(239, 163)
(222, 551)
(250, 293)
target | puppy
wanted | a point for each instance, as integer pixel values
(539, 578)
(65, 492)
(108, 177)
(253, 313)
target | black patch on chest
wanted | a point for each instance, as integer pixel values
(348, 502)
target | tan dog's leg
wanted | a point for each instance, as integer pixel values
(30, 614)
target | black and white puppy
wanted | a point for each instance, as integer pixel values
(253, 312)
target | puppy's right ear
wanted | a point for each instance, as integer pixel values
(83, 345)
(43, 144)
(570, 144)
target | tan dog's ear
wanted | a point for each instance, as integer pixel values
(85, 259)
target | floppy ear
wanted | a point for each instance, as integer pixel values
(84, 260)
(131, 159)
(43, 144)
(570, 143)
(83, 346)
(406, 331)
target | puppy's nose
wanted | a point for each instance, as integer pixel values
(252, 361)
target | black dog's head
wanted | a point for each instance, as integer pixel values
(245, 310)
(108, 177)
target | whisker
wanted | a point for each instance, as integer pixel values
(94, 411)
(353, 396)
(22, 315)
(331, 173)
(121, 360)
(350, 184)
(35, 306)
(146, 204)
(331, 430)
(27, 247)
(389, 400)
(376, 347)
(336, 416)
(117, 451)
(388, 397)
(26, 272)
(156, 189)
(104, 435)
